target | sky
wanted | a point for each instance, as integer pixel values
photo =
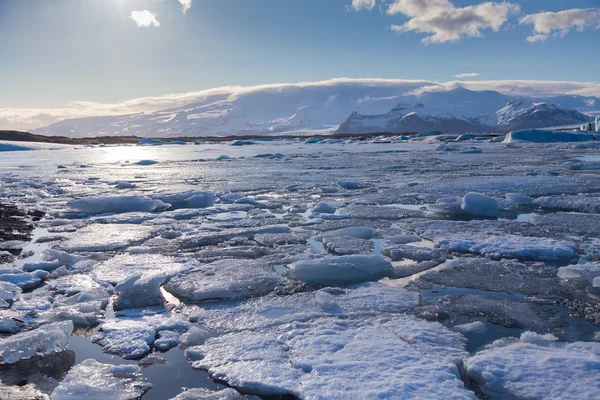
(56, 52)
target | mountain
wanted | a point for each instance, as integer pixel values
(514, 115)
(539, 115)
(320, 108)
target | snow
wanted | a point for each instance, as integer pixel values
(93, 380)
(337, 359)
(320, 107)
(540, 136)
(511, 246)
(480, 205)
(537, 368)
(225, 279)
(340, 270)
(116, 204)
(107, 237)
(122, 266)
(355, 302)
(41, 342)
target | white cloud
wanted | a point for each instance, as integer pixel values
(358, 5)
(446, 23)
(185, 5)
(547, 23)
(467, 75)
(145, 18)
(32, 118)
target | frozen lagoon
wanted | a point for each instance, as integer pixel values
(215, 247)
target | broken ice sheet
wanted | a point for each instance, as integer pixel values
(357, 301)
(107, 237)
(537, 367)
(332, 358)
(224, 279)
(122, 266)
(93, 380)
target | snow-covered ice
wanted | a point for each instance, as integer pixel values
(40, 342)
(537, 367)
(342, 270)
(94, 380)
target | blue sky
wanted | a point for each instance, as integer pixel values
(58, 51)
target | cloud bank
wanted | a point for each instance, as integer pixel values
(560, 23)
(32, 118)
(145, 19)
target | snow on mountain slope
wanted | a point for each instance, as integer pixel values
(539, 115)
(516, 114)
(304, 109)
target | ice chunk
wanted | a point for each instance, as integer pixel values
(358, 232)
(360, 301)
(404, 239)
(512, 246)
(121, 266)
(125, 185)
(537, 368)
(93, 380)
(43, 265)
(191, 199)
(349, 185)
(324, 207)
(480, 205)
(205, 394)
(138, 291)
(8, 290)
(12, 245)
(519, 199)
(194, 336)
(25, 280)
(107, 237)
(146, 162)
(224, 279)
(342, 270)
(116, 204)
(63, 257)
(214, 238)
(338, 359)
(346, 245)
(41, 342)
(540, 136)
(587, 271)
(398, 252)
(472, 327)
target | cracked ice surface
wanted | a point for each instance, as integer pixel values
(331, 358)
(267, 267)
(537, 367)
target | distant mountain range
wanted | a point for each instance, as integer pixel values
(348, 108)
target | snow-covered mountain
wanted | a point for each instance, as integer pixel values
(509, 118)
(321, 108)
